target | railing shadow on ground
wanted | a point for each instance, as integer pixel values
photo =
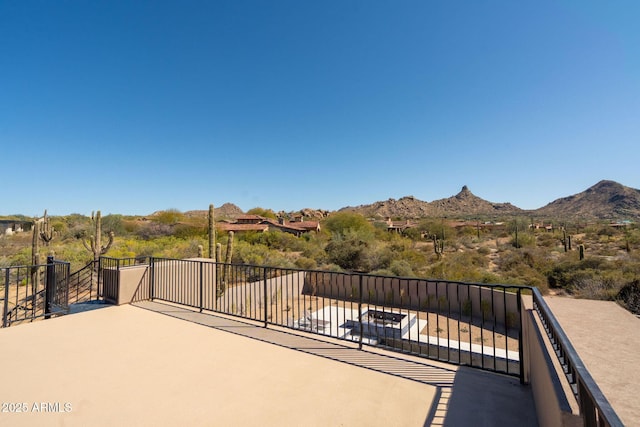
(343, 352)
(458, 390)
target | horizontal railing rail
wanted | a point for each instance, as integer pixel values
(464, 323)
(116, 263)
(83, 284)
(594, 406)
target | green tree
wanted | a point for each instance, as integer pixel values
(170, 216)
(340, 222)
(113, 222)
(351, 250)
(266, 213)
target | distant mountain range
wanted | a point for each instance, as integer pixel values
(605, 200)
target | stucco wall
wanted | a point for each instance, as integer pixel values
(554, 399)
(473, 300)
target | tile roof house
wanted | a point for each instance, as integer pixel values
(399, 226)
(262, 224)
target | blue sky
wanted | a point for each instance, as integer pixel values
(132, 107)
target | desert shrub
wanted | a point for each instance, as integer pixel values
(259, 254)
(547, 240)
(22, 257)
(315, 252)
(377, 256)
(565, 273)
(594, 284)
(339, 223)
(253, 254)
(277, 240)
(483, 250)
(467, 231)
(155, 230)
(629, 296)
(265, 213)
(121, 252)
(185, 231)
(350, 252)
(401, 268)
(170, 216)
(525, 267)
(412, 233)
(383, 272)
(74, 253)
(461, 266)
(130, 226)
(606, 230)
(306, 263)
(113, 222)
(332, 267)
(60, 228)
(524, 239)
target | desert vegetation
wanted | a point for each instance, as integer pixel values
(594, 260)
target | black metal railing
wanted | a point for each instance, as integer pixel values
(594, 406)
(464, 323)
(34, 291)
(84, 284)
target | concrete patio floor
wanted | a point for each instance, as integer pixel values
(161, 365)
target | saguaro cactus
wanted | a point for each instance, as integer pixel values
(218, 251)
(42, 230)
(212, 233)
(46, 230)
(229, 254)
(35, 243)
(94, 244)
(35, 256)
(438, 246)
(226, 270)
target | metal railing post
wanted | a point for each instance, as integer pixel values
(587, 408)
(67, 285)
(201, 285)
(360, 312)
(93, 267)
(151, 278)
(520, 338)
(49, 287)
(98, 281)
(5, 308)
(264, 291)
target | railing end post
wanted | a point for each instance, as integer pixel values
(361, 326)
(264, 291)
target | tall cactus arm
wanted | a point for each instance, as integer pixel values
(90, 244)
(106, 247)
(212, 233)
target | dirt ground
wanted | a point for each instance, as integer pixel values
(432, 324)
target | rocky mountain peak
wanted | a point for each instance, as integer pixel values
(465, 193)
